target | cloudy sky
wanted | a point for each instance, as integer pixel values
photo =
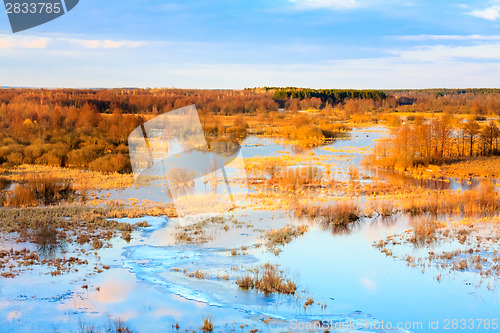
(248, 43)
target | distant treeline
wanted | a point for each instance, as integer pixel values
(445, 92)
(332, 96)
(145, 101)
(255, 100)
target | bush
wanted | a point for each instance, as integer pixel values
(310, 132)
(15, 158)
(21, 196)
(207, 325)
(46, 236)
(284, 236)
(269, 279)
(51, 158)
(340, 214)
(44, 190)
(4, 183)
(238, 132)
(338, 217)
(32, 152)
(424, 232)
(49, 190)
(82, 157)
(111, 163)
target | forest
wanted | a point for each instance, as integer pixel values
(88, 128)
(422, 141)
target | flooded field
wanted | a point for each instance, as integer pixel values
(179, 273)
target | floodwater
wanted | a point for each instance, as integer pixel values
(362, 288)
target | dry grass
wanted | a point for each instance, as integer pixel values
(68, 217)
(335, 215)
(488, 167)
(483, 201)
(51, 227)
(46, 236)
(117, 326)
(424, 232)
(90, 180)
(269, 279)
(21, 196)
(40, 190)
(284, 236)
(48, 226)
(198, 274)
(308, 302)
(197, 233)
(384, 208)
(49, 190)
(341, 214)
(208, 326)
(353, 172)
(293, 179)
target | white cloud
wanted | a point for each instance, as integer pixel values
(451, 66)
(442, 53)
(423, 38)
(106, 44)
(332, 4)
(386, 72)
(33, 42)
(23, 42)
(491, 14)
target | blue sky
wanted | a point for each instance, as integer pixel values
(247, 43)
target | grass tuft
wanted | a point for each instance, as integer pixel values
(269, 279)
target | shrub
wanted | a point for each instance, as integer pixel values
(49, 190)
(285, 235)
(15, 158)
(424, 232)
(52, 158)
(46, 236)
(238, 131)
(339, 217)
(269, 279)
(310, 135)
(353, 172)
(96, 243)
(4, 183)
(33, 152)
(44, 190)
(340, 214)
(111, 163)
(21, 196)
(207, 325)
(82, 157)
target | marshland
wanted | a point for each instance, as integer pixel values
(369, 206)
